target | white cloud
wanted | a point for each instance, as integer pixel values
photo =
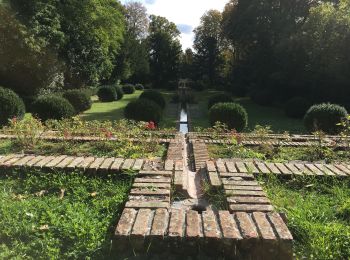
(183, 12)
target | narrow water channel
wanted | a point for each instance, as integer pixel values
(183, 119)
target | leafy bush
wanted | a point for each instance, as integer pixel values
(155, 96)
(139, 87)
(219, 98)
(128, 89)
(79, 99)
(143, 110)
(231, 114)
(107, 94)
(52, 107)
(262, 97)
(10, 106)
(297, 107)
(325, 117)
(120, 92)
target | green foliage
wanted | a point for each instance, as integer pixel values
(79, 99)
(231, 114)
(139, 87)
(297, 107)
(262, 97)
(120, 92)
(107, 94)
(59, 215)
(187, 98)
(10, 106)
(52, 107)
(128, 89)
(165, 50)
(219, 98)
(325, 117)
(155, 96)
(143, 110)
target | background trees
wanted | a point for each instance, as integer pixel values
(165, 50)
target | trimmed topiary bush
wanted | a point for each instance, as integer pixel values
(231, 114)
(79, 99)
(107, 94)
(10, 106)
(325, 117)
(128, 89)
(52, 107)
(120, 92)
(297, 107)
(155, 96)
(139, 87)
(143, 110)
(219, 98)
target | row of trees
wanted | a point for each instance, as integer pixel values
(281, 48)
(46, 45)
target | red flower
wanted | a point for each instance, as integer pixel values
(151, 126)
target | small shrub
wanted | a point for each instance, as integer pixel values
(120, 92)
(128, 89)
(139, 87)
(262, 97)
(52, 107)
(10, 106)
(219, 98)
(79, 99)
(143, 110)
(297, 107)
(155, 96)
(107, 94)
(231, 114)
(325, 117)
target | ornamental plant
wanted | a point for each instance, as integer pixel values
(10, 106)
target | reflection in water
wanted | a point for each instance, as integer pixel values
(184, 128)
(183, 115)
(183, 120)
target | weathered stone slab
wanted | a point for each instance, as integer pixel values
(151, 185)
(65, 162)
(284, 170)
(273, 168)
(211, 166)
(106, 165)
(247, 227)
(34, 160)
(169, 165)
(145, 191)
(150, 173)
(193, 224)
(142, 225)
(245, 193)
(86, 163)
(75, 163)
(211, 228)
(214, 179)
(264, 226)
(229, 226)
(236, 187)
(241, 167)
(240, 183)
(96, 164)
(126, 222)
(250, 208)
(127, 165)
(117, 164)
(262, 167)
(231, 167)
(138, 165)
(160, 223)
(248, 200)
(45, 161)
(153, 180)
(23, 161)
(177, 223)
(221, 166)
(146, 204)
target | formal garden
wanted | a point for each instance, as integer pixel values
(115, 143)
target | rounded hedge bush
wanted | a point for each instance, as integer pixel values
(128, 89)
(143, 110)
(52, 107)
(10, 106)
(79, 99)
(120, 92)
(155, 96)
(107, 94)
(325, 117)
(296, 107)
(219, 98)
(139, 87)
(231, 114)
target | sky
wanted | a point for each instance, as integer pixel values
(185, 14)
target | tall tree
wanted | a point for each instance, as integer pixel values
(165, 50)
(209, 45)
(187, 64)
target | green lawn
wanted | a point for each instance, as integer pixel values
(257, 115)
(109, 110)
(59, 215)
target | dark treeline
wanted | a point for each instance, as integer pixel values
(50, 45)
(273, 50)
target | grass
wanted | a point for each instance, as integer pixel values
(101, 149)
(59, 215)
(257, 115)
(103, 111)
(318, 215)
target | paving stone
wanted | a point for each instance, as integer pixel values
(248, 200)
(145, 191)
(280, 227)
(178, 180)
(303, 169)
(262, 167)
(142, 225)
(343, 168)
(193, 224)
(231, 167)
(150, 173)
(126, 222)
(147, 204)
(65, 162)
(3, 159)
(86, 163)
(241, 175)
(117, 164)
(34, 160)
(75, 163)
(293, 169)
(177, 223)
(153, 180)
(12, 160)
(314, 169)
(211, 228)
(160, 223)
(96, 164)
(23, 161)
(169, 165)
(179, 165)
(127, 165)
(250, 208)
(251, 167)
(106, 165)
(241, 167)
(236, 187)
(211, 166)
(151, 185)
(138, 165)
(229, 226)
(214, 179)
(284, 170)
(335, 170)
(264, 226)
(45, 161)
(246, 224)
(273, 168)
(240, 183)
(245, 193)
(221, 166)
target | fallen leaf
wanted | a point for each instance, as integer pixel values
(62, 193)
(19, 197)
(41, 193)
(44, 228)
(29, 214)
(94, 194)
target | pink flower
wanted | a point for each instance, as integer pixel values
(151, 126)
